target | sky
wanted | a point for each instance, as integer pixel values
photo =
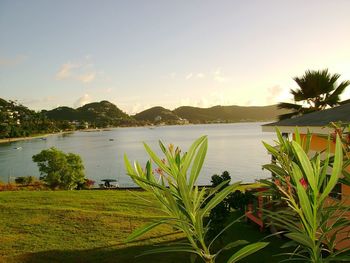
(138, 54)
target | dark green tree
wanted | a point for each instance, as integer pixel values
(318, 90)
(60, 170)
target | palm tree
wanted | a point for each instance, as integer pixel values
(318, 89)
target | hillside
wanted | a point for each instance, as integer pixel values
(229, 113)
(105, 113)
(101, 113)
(155, 112)
(103, 109)
(62, 113)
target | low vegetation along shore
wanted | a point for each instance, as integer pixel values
(91, 226)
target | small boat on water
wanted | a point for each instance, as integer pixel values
(18, 148)
(111, 140)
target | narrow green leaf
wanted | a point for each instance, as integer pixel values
(128, 165)
(214, 190)
(235, 244)
(297, 137)
(148, 170)
(275, 169)
(307, 143)
(218, 198)
(144, 229)
(198, 162)
(137, 178)
(336, 171)
(305, 165)
(323, 172)
(301, 239)
(246, 251)
(162, 147)
(184, 193)
(270, 149)
(190, 153)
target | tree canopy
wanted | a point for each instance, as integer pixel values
(318, 90)
(60, 170)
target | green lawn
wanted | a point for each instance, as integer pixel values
(90, 226)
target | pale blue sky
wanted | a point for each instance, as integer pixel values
(139, 54)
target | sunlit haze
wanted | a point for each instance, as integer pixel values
(139, 54)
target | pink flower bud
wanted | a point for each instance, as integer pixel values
(304, 183)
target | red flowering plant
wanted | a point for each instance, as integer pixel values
(173, 184)
(281, 167)
(312, 223)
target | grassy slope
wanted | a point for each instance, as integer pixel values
(89, 226)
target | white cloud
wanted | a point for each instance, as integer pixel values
(198, 75)
(86, 78)
(86, 98)
(65, 71)
(189, 76)
(83, 71)
(219, 76)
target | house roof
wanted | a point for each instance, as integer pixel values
(315, 121)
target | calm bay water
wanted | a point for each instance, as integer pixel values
(236, 148)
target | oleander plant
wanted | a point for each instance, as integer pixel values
(173, 183)
(316, 224)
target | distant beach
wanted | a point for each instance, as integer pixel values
(5, 140)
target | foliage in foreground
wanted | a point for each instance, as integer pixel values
(183, 203)
(60, 170)
(311, 220)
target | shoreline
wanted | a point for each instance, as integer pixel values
(9, 140)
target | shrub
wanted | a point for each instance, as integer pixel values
(87, 184)
(219, 214)
(60, 170)
(25, 180)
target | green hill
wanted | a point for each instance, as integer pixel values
(62, 113)
(102, 113)
(153, 113)
(229, 113)
(101, 110)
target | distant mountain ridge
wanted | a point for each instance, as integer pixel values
(105, 113)
(212, 114)
(229, 113)
(102, 113)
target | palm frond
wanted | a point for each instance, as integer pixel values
(289, 106)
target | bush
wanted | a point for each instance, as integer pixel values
(60, 170)
(219, 214)
(88, 184)
(25, 180)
